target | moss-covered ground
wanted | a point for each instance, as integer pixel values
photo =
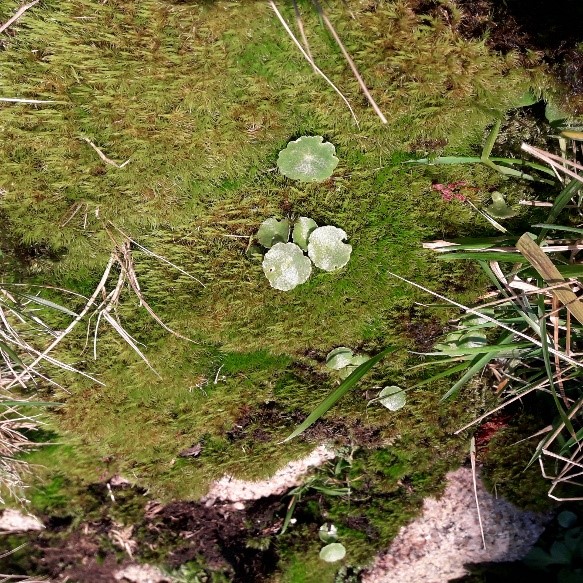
(201, 97)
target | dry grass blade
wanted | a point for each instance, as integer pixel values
(475, 483)
(98, 290)
(556, 162)
(104, 157)
(349, 61)
(536, 257)
(300, 25)
(18, 14)
(23, 100)
(307, 57)
(159, 257)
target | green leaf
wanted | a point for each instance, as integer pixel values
(308, 159)
(560, 553)
(333, 552)
(393, 398)
(9, 352)
(554, 114)
(537, 558)
(303, 228)
(355, 362)
(327, 249)
(339, 358)
(499, 209)
(526, 99)
(273, 231)
(338, 393)
(286, 266)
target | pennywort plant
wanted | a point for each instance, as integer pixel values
(285, 263)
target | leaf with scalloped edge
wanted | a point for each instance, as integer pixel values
(333, 552)
(308, 159)
(339, 358)
(286, 266)
(273, 231)
(327, 249)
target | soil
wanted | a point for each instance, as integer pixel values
(216, 535)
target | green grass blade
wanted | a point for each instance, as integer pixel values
(559, 228)
(441, 375)
(560, 203)
(447, 160)
(338, 393)
(521, 162)
(490, 140)
(476, 366)
(487, 349)
(510, 256)
(15, 358)
(48, 304)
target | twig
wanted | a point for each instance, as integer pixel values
(103, 156)
(307, 57)
(22, 100)
(300, 25)
(18, 14)
(473, 462)
(349, 61)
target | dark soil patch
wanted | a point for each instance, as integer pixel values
(260, 422)
(236, 543)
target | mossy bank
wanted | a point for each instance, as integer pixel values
(199, 98)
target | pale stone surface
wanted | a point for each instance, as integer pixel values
(141, 574)
(15, 521)
(233, 490)
(434, 547)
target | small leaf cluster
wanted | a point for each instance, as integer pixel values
(285, 264)
(333, 551)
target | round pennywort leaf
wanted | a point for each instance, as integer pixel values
(333, 552)
(286, 266)
(273, 231)
(303, 228)
(308, 159)
(393, 398)
(339, 358)
(327, 249)
(355, 362)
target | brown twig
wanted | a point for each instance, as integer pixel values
(349, 61)
(18, 14)
(104, 157)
